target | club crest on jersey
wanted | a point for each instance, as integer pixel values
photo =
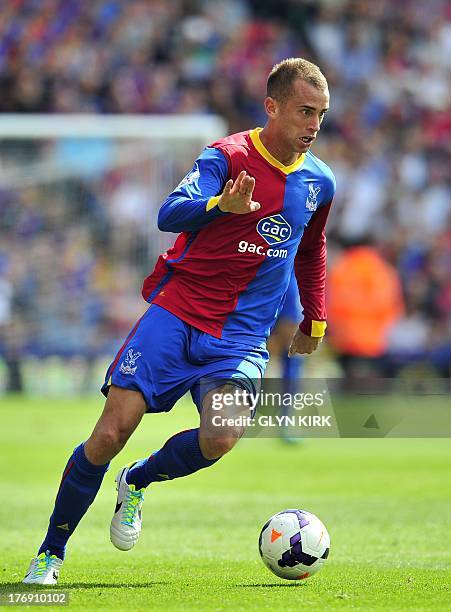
(312, 203)
(274, 230)
(128, 365)
(190, 178)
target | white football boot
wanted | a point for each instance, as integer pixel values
(126, 523)
(44, 569)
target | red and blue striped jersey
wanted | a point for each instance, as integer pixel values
(227, 274)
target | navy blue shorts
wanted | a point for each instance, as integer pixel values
(163, 357)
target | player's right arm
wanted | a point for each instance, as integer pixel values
(205, 194)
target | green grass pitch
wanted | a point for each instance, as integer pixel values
(385, 502)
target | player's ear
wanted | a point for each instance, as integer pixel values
(271, 107)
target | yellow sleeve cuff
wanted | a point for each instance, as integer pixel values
(212, 202)
(318, 329)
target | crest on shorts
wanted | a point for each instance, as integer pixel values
(311, 202)
(128, 365)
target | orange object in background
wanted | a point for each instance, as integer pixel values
(364, 301)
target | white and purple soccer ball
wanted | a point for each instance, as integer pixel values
(294, 544)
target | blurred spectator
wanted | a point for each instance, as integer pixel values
(364, 305)
(10, 336)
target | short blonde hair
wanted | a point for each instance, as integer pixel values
(282, 75)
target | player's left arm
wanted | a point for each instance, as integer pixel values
(310, 271)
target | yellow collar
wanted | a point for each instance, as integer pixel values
(255, 137)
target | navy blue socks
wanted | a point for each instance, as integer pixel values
(180, 456)
(291, 372)
(79, 485)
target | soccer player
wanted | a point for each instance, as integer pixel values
(253, 207)
(278, 342)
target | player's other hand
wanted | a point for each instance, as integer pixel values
(303, 344)
(237, 196)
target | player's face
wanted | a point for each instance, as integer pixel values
(297, 120)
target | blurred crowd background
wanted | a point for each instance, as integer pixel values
(74, 247)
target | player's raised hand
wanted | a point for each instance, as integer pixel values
(237, 196)
(303, 344)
